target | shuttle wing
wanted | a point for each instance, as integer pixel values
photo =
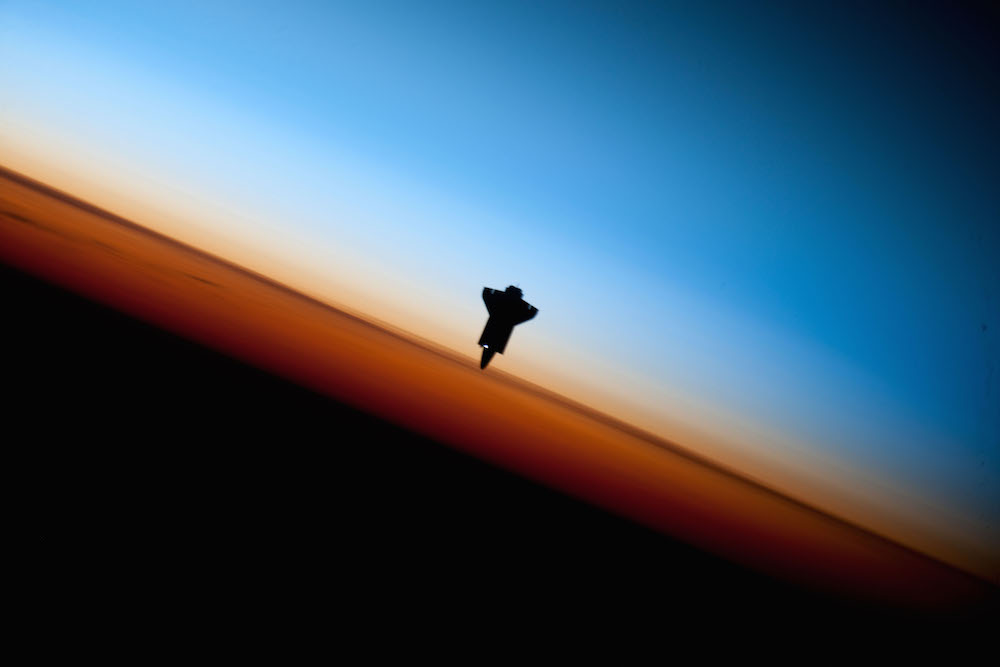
(526, 313)
(491, 298)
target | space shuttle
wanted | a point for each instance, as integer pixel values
(507, 309)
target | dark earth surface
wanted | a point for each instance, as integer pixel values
(160, 472)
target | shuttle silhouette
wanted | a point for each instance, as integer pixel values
(507, 309)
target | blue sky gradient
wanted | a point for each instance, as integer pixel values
(786, 216)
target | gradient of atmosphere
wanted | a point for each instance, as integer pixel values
(766, 232)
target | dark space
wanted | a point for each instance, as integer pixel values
(157, 472)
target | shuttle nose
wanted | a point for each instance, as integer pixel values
(487, 355)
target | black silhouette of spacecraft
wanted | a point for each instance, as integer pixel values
(507, 310)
